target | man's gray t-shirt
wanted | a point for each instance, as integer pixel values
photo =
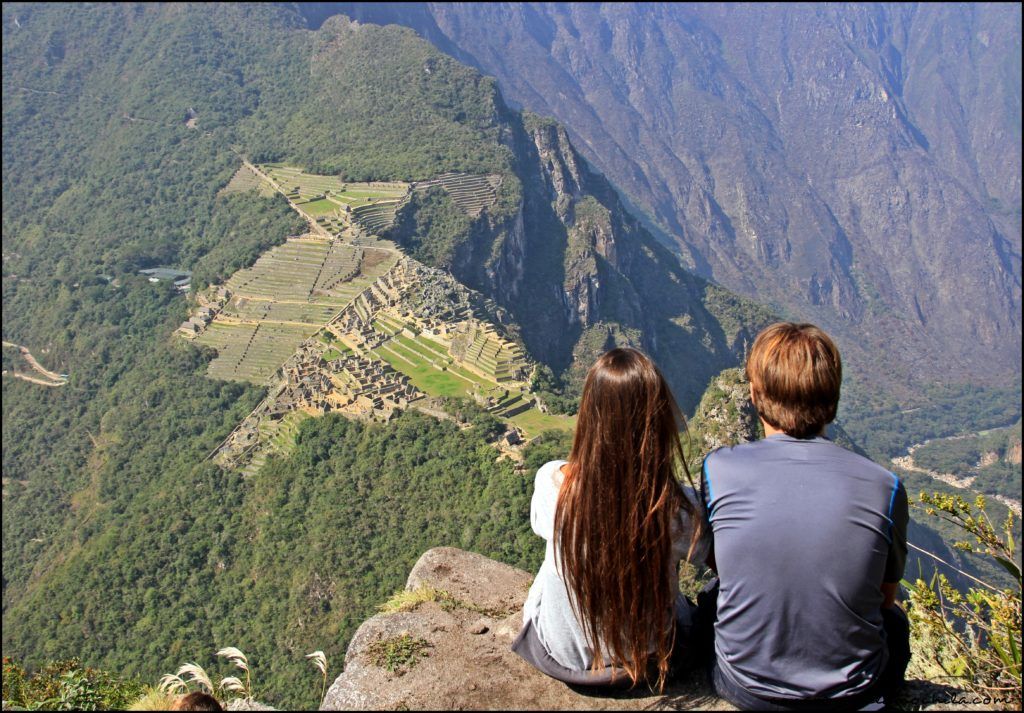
(805, 532)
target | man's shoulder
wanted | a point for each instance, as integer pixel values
(752, 453)
(738, 453)
(862, 464)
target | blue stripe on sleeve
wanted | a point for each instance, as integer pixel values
(711, 495)
(892, 502)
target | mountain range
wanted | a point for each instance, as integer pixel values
(856, 165)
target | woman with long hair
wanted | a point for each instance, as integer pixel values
(605, 607)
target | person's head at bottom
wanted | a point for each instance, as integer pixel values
(196, 701)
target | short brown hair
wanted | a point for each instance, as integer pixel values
(795, 374)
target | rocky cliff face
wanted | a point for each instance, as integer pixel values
(725, 416)
(580, 274)
(857, 165)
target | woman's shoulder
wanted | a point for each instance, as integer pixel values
(549, 476)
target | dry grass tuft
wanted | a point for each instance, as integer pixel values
(155, 700)
(172, 685)
(410, 600)
(319, 659)
(194, 673)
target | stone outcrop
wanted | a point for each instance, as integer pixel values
(725, 416)
(468, 628)
(470, 664)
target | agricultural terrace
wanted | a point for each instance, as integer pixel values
(245, 180)
(334, 204)
(276, 436)
(288, 295)
(431, 367)
(470, 193)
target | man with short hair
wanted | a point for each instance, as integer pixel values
(809, 545)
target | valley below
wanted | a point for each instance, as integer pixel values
(987, 462)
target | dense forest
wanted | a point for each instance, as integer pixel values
(122, 544)
(285, 564)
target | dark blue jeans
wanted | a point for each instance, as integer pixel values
(897, 638)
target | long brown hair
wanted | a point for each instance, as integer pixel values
(613, 521)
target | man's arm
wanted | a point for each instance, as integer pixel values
(899, 514)
(705, 511)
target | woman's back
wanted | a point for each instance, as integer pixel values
(549, 605)
(616, 523)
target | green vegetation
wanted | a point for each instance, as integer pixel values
(972, 637)
(425, 377)
(431, 227)
(533, 422)
(407, 600)
(399, 489)
(67, 686)
(886, 426)
(398, 654)
(992, 459)
(318, 208)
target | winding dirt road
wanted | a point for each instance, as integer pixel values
(50, 378)
(907, 463)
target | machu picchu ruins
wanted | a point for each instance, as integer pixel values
(339, 320)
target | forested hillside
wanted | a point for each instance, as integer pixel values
(122, 544)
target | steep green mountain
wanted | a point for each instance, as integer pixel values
(122, 124)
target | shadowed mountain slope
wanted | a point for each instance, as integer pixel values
(855, 165)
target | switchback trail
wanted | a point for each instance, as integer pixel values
(51, 378)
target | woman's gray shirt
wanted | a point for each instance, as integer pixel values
(548, 604)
